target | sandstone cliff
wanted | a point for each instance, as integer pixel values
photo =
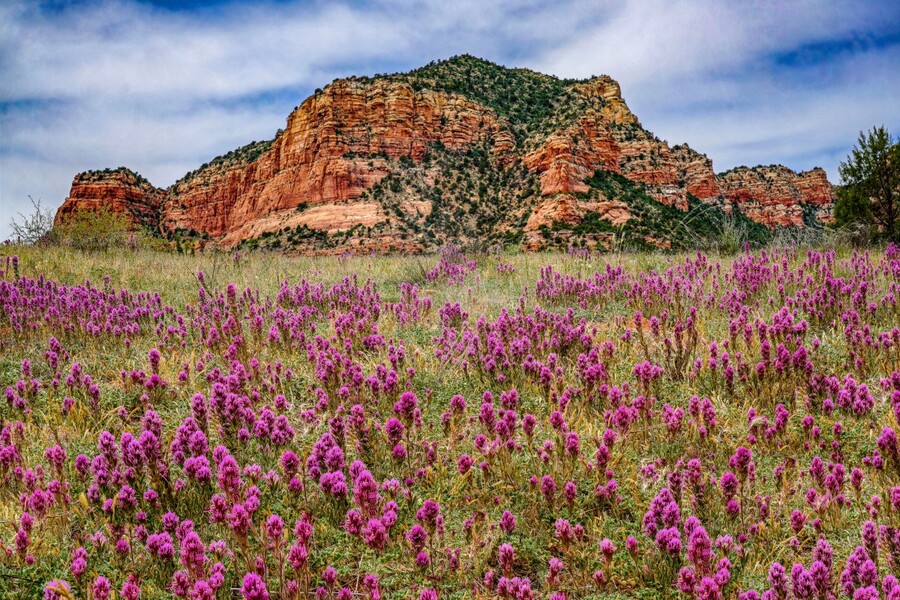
(777, 196)
(121, 190)
(336, 145)
(460, 150)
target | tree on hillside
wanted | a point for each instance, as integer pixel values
(871, 183)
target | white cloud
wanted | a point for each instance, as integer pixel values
(120, 49)
(115, 82)
(645, 41)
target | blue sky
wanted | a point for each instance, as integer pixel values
(163, 86)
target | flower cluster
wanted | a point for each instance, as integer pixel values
(699, 429)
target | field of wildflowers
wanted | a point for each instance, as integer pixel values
(507, 426)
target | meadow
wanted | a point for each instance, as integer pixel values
(504, 425)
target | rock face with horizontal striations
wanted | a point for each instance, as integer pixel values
(336, 145)
(121, 190)
(460, 150)
(777, 196)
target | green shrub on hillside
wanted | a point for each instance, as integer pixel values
(94, 229)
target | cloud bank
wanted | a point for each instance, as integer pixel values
(118, 82)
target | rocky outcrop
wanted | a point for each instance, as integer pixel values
(120, 190)
(612, 139)
(382, 159)
(777, 196)
(571, 155)
(569, 210)
(561, 208)
(335, 146)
